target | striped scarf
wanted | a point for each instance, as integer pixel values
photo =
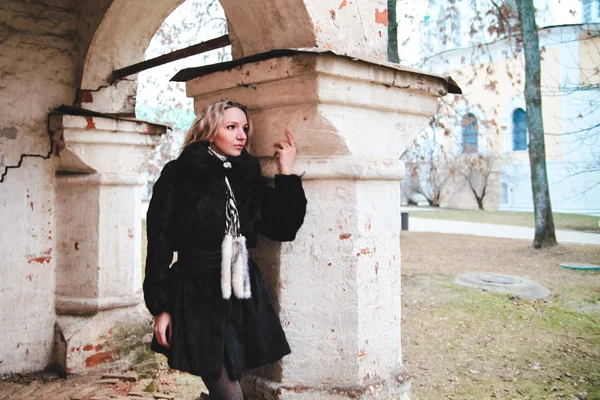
(234, 254)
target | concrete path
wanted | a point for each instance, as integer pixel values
(493, 230)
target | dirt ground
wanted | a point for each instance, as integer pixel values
(465, 343)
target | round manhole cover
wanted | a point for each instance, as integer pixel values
(506, 280)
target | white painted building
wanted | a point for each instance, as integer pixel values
(570, 99)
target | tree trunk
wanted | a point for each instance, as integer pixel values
(392, 32)
(544, 223)
(483, 193)
(480, 203)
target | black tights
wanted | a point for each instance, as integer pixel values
(223, 388)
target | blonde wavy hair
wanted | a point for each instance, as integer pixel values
(207, 122)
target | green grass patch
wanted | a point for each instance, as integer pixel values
(575, 222)
(466, 343)
(502, 346)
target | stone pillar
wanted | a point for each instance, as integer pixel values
(98, 261)
(337, 286)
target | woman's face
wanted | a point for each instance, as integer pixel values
(232, 133)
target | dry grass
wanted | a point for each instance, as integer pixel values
(464, 343)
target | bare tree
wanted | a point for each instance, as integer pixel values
(477, 170)
(429, 169)
(191, 23)
(544, 222)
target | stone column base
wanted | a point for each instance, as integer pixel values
(113, 338)
(396, 387)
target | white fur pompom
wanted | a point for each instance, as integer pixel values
(240, 275)
(226, 254)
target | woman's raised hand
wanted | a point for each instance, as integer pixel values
(285, 153)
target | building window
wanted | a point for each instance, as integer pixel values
(470, 133)
(591, 10)
(503, 193)
(519, 129)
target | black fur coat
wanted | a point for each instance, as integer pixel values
(187, 215)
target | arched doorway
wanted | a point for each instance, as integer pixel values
(254, 26)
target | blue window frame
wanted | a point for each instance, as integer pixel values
(470, 133)
(519, 129)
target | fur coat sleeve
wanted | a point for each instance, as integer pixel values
(282, 208)
(158, 280)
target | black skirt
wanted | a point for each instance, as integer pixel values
(209, 331)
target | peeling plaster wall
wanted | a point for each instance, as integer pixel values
(36, 75)
(89, 16)
(36, 57)
(357, 27)
(377, 249)
(27, 267)
(259, 26)
(325, 303)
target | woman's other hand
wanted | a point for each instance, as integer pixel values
(161, 325)
(286, 152)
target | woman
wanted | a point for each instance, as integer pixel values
(213, 315)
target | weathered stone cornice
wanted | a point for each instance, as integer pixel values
(83, 143)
